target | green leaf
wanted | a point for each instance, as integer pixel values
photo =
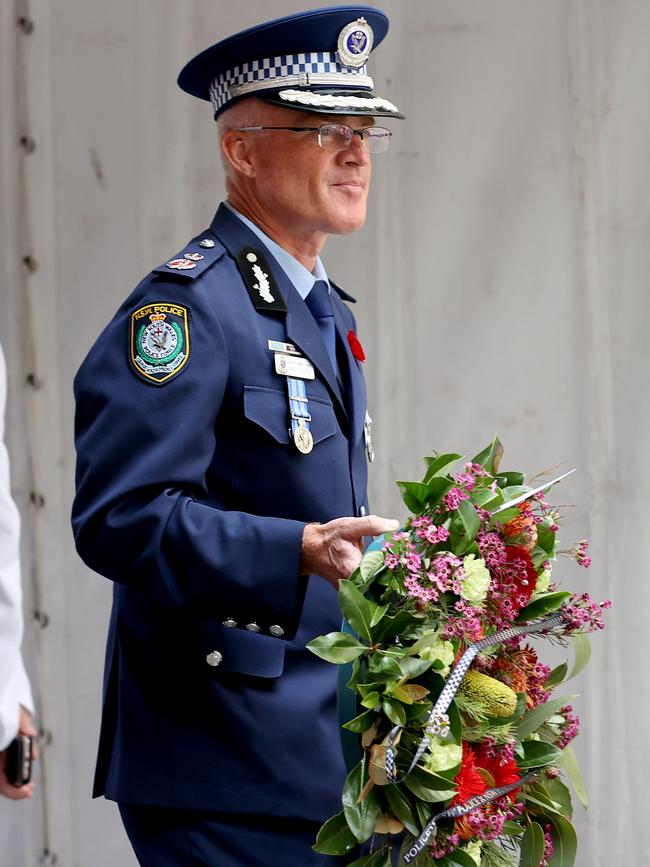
(409, 693)
(509, 478)
(381, 669)
(427, 640)
(437, 466)
(401, 807)
(414, 495)
(471, 521)
(371, 700)
(337, 647)
(360, 723)
(534, 717)
(462, 858)
(378, 614)
(361, 817)
(380, 858)
(546, 538)
(371, 565)
(428, 786)
(532, 846)
(559, 793)
(357, 610)
(394, 711)
(504, 516)
(490, 457)
(565, 841)
(335, 837)
(570, 764)
(390, 627)
(556, 677)
(543, 605)
(538, 754)
(437, 488)
(581, 653)
(412, 667)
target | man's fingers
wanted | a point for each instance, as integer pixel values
(370, 525)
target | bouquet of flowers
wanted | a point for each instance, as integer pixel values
(457, 747)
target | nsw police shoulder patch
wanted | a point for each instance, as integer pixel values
(159, 341)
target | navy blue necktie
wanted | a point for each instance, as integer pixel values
(320, 305)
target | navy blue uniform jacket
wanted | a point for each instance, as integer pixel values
(192, 499)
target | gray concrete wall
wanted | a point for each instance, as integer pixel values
(501, 279)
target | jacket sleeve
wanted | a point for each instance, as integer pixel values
(142, 516)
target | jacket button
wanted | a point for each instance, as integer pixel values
(252, 627)
(214, 658)
(362, 511)
(278, 631)
(229, 623)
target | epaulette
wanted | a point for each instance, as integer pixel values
(344, 295)
(194, 259)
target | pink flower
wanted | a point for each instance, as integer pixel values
(454, 497)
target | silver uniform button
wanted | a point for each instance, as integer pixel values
(278, 631)
(362, 511)
(214, 658)
(206, 243)
(229, 623)
(253, 627)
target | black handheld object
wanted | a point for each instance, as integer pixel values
(19, 760)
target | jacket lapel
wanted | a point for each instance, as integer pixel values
(302, 329)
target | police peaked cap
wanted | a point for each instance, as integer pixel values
(311, 61)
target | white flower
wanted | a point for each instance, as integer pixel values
(473, 849)
(475, 584)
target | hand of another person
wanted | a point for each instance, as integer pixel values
(334, 550)
(25, 727)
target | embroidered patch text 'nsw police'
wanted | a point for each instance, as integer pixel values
(160, 341)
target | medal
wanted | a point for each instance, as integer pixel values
(303, 439)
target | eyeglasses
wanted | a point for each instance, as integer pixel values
(338, 136)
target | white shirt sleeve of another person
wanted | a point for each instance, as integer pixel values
(14, 684)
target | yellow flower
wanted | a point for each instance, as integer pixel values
(474, 586)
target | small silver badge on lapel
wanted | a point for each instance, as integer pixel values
(367, 436)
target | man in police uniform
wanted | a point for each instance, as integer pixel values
(223, 439)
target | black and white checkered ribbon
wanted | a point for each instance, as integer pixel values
(462, 810)
(437, 720)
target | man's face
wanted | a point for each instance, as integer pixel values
(304, 186)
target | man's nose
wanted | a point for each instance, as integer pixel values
(356, 152)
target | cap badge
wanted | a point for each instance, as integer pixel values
(354, 43)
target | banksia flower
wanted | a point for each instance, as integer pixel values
(495, 698)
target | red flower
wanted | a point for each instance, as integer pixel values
(468, 781)
(525, 586)
(355, 346)
(503, 770)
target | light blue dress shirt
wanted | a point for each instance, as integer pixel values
(302, 279)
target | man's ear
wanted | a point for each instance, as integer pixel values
(236, 151)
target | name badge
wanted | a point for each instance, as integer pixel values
(295, 366)
(287, 348)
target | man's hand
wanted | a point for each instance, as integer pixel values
(334, 550)
(26, 727)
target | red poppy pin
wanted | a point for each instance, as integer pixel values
(355, 346)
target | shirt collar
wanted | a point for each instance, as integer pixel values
(302, 279)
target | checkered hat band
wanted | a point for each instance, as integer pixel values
(288, 69)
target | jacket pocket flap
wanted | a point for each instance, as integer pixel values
(269, 408)
(240, 651)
